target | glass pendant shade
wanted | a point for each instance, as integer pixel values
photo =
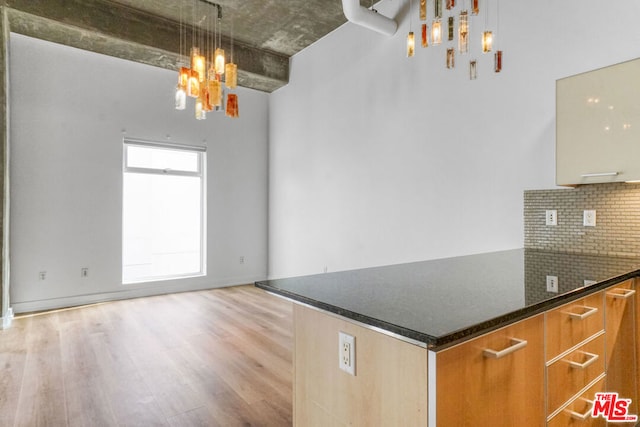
(193, 87)
(219, 61)
(450, 25)
(475, 7)
(231, 75)
(437, 8)
(181, 98)
(436, 32)
(411, 44)
(451, 58)
(451, 4)
(198, 63)
(463, 32)
(423, 10)
(473, 70)
(498, 61)
(232, 106)
(487, 41)
(183, 77)
(425, 38)
(215, 92)
(200, 113)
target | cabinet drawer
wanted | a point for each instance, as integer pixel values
(578, 412)
(572, 323)
(494, 380)
(572, 372)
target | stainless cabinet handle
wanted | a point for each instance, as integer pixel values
(591, 175)
(626, 293)
(516, 344)
(592, 358)
(577, 415)
(578, 316)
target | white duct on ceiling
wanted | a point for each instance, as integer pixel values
(368, 18)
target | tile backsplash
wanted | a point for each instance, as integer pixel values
(617, 230)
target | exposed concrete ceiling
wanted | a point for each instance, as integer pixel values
(266, 33)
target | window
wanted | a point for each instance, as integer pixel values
(163, 211)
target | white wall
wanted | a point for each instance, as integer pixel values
(68, 111)
(378, 159)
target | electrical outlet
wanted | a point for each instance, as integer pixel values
(42, 275)
(84, 272)
(551, 217)
(347, 353)
(589, 218)
(552, 284)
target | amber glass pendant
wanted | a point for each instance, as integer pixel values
(232, 106)
(411, 44)
(463, 32)
(475, 7)
(198, 63)
(451, 57)
(436, 32)
(437, 8)
(473, 70)
(451, 4)
(183, 77)
(450, 25)
(231, 75)
(487, 41)
(193, 87)
(423, 10)
(425, 38)
(215, 89)
(498, 61)
(218, 60)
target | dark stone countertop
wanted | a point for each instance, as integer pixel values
(442, 302)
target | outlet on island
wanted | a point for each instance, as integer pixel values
(347, 353)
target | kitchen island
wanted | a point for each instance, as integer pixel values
(464, 340)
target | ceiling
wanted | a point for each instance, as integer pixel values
(266, 33)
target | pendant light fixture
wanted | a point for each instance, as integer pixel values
(497, 58)
(487, 36)
(411, 41)
(202, 77)
(463, 32)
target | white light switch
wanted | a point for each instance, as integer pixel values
(552, 284)
(551, 217)
(589, 218)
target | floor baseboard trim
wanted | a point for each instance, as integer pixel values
(6, 320)
(74, 301)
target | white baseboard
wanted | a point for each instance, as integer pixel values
(127, 292)
(6, 320)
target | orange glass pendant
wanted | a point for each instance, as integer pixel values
(198, 63)
(451, 4)
(498, 61)
(487, 41)
(231, 75)
(425, 41)
(215, 89)
(436, 32)
(475, 7)
(411, 44)
(423, 10)
(232, 105)
(183, 77)
(463, 32)
(451, 58)
(219, 61)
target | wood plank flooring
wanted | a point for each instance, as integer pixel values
(211, 358)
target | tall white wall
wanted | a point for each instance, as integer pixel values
(376, 158)
(68, 112)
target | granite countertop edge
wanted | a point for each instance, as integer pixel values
(438, 343)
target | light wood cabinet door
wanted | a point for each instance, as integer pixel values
(578, 413)
(621, 342)
(493, 380)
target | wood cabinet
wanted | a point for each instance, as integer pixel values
(496, 379)
(578, 412)
(621, 342)
(598, 125)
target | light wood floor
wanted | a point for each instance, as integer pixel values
(210, 358)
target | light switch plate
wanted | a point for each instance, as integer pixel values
(552, 284)
(589, 218)
(551, 217)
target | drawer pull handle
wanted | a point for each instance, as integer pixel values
(517, 344)
(591, 175)
(592, 358)
(578, 415)
(581, 316)
(626, 293)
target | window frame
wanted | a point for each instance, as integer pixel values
(201, 151)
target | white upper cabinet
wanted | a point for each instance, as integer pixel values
(598, 125)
